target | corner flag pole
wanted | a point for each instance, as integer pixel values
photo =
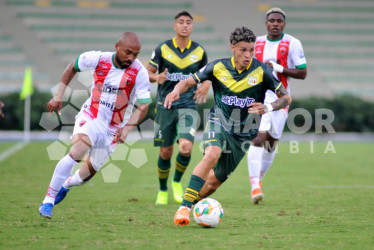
(27, 91)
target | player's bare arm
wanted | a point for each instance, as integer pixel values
(180, 88)
(154, 77)
(135, 119)
(56, 101)
(294, 73)
(284, 99)
(202, 92)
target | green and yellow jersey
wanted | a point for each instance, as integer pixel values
(181, 64)
(234, 91)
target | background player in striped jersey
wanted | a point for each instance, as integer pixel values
(239, 85)
(284, 54)
(175, 60)
(105, 119)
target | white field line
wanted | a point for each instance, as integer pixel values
(12, 150)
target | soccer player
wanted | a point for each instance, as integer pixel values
(175, 60)
(105, 119)
(285, 55)
(239, 85)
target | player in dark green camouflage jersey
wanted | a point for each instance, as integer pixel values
(239, 86)
(176, 60)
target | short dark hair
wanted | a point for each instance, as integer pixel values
(276, 10)
(183, 13)
(242, 34)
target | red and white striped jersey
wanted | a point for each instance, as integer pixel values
(286, 51)
(114, 91)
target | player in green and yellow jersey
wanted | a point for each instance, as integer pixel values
(176, 60)
(239, 84)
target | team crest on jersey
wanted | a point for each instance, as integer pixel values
(252, 80)
(82, 122)
(283, 50)
(194, 58)
(128, 80)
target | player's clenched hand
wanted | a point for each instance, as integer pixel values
(54, 103)
(170, 98)
(120, 135)
(162, 77)
(257, 108)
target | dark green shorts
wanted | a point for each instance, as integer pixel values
(233, 149)
(170, 123)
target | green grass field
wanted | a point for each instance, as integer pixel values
(312, 200)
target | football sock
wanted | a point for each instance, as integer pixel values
(181, 164)
(61, 173)
(192, 191)
(267, 160)
(74, 180)
(163, 173)
(254, 165)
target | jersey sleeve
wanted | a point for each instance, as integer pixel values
(205, 73)
(297, 54)
(143, 87)
(87, 61)
(156, 57)
(271, 82)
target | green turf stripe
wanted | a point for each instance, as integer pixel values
(111, 28)
(154, 5)
(11, 50)
(77, 51)
(16, 63)
(5, 38)
(340, 55)
(94, 16)
(327, 9)
(315, 31)
(329, 20)
(349, 67)
(114, 39)
(348, 78)
(338, 43)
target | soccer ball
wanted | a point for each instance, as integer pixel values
(208, 212)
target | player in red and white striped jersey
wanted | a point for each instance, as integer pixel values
(105, 119)
(284, 54)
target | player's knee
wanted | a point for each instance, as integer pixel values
(211, 157)
(166, 152)
(185, 148)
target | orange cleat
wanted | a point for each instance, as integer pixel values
(257, 196)
(182, 217)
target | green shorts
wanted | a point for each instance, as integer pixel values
(170, 123)
(233, 149)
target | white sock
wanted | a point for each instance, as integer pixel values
(74, 180)
(254, 165)
(267, 160)
(61, 173)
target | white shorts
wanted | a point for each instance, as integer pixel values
(273, 122)
(101, 138)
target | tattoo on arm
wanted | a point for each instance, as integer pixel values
(282, 101)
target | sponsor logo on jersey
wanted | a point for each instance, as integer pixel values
(176, 77)
(236, 101)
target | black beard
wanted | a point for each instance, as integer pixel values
(121, 64)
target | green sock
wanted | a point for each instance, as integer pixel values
(181, 164)
(163, 170)
(192, 191)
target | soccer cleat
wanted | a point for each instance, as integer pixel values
(61, 195)
(177, 191)
(182, 217)
(162, 198)
(45, 210)
(257, 196)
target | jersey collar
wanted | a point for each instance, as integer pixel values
(275, 40)
(240, 71)
(176, 46)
